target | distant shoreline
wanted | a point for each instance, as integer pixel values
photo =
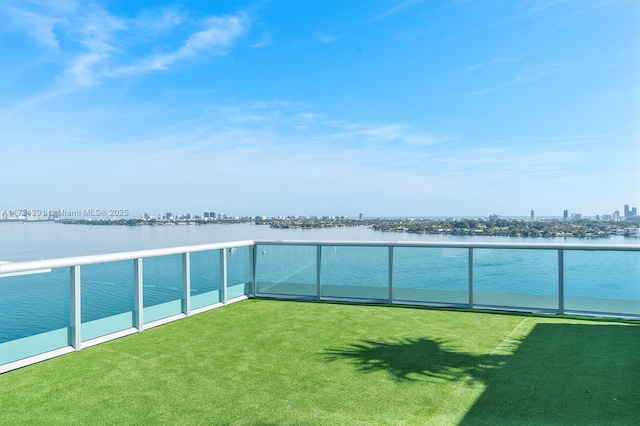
(495, 226)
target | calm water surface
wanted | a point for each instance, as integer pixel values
(34, 241)
(39, 303)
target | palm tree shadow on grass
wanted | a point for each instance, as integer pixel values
(414, 359)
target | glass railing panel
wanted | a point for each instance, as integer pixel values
(238, 271)
(516, 278)
(205, 278)
(35, 313)
(107, 298)
(436, 275)
(602, 281)
(286, 270)
(162, 280)
(355, 272)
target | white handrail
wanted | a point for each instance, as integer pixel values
(451, 244)
(7, 268)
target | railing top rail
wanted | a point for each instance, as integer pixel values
(130, 255)
(11, 267)
(451, 244)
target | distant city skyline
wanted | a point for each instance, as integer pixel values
(388, 108)
(103, 214)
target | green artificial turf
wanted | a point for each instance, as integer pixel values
(267, 362)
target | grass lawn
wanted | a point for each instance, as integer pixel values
(267, 362)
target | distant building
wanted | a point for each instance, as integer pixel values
(168, 216)
(565, 216)
(361, 216)
(533, 215)
(629, 212)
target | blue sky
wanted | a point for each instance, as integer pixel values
(389, 108)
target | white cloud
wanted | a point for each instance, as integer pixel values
(528, 77)
(92, 44)
(406, 4)
(216, 38)
(251, 157)
(40, 27)
(264, 41)
(496, 61)
(326, 38)
(160, 21)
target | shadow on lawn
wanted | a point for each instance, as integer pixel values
(587, 374)
(557, 374)
(414, 359)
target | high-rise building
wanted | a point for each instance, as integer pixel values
(361, 216)
(634, 212)
(533, 215)
(627, 213)
(566, 215)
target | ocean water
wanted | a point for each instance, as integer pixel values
(39, 303)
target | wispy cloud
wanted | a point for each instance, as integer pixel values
(92, 44)
(40, 27)
(317, 155)
(264, 41)
(532, 9)
(406, 4)
(496, 61)
(526, 77)
(326, 38)
(160, 21)
(218, 35)
(558, 14)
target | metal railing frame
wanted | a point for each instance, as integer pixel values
(137, 257)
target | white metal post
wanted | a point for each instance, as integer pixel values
(318, 267)
(470, 277)
(138, 295)
(390, 274)
(75, 300)
(252, 270)
(186, 283)
(223, 276)
(561, 281)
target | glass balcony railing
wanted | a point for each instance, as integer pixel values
(52, 307)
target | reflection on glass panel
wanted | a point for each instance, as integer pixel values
(602, 281)
(355, 272)
(438, 275)
(162, 279)
(239, 272)
(205, 278)
(34, 313)
(518, 278)
(286, 270)
(107, 298)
